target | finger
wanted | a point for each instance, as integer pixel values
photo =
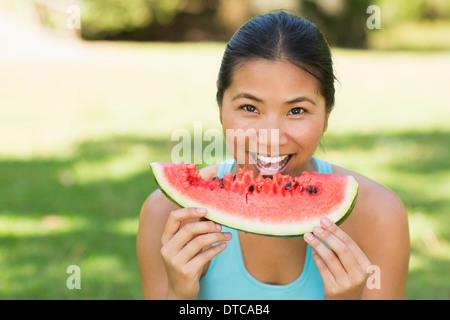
(340, 249)
(175, 219)
(358, 254)
(201, 242)
(191, 230)
(328, 256)
(202, 258)
(327, 276)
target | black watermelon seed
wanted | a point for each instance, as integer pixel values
(222, 185)
(251, 188)
(234, 177)
(221, 179)
(288, 186)
(214, 178)
(310, 190)
(315, 190)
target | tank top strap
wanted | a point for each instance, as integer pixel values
(226, 166)
(323, 166)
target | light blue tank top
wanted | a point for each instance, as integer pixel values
(228, 279)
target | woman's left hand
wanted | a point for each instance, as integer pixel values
(344, 267)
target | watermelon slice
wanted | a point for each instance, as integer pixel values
(281, 206)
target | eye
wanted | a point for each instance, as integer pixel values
(296, 111)
(249, 108)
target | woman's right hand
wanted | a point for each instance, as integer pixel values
(187, 248)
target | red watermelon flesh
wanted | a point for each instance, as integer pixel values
(281, 206)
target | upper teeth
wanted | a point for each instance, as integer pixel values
(271, 159)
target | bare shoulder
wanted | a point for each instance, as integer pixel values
(378, 210)
(375, 198)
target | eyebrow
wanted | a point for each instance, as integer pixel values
(301, 99)
(252, 97)
(247, 96)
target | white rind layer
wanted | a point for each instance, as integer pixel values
(253, 226)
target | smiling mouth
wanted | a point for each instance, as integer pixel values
(271, 165)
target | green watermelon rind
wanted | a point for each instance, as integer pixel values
(247, 225)
(156, 175)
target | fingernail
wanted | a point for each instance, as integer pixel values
(223, 244)
(318, 230)
(201, 210)
(308, 236)
(326, 222)
(218, 227)
(227, 235)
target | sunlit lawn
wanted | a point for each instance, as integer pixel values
(77, 135)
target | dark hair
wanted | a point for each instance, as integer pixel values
(280, 36)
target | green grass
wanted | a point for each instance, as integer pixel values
(77, 135)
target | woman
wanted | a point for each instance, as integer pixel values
(276, 73)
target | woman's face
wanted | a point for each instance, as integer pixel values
(279, 109)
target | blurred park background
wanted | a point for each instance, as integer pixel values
(91, 90)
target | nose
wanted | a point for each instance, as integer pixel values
(272, 135)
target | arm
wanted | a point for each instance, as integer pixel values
(152, 222)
